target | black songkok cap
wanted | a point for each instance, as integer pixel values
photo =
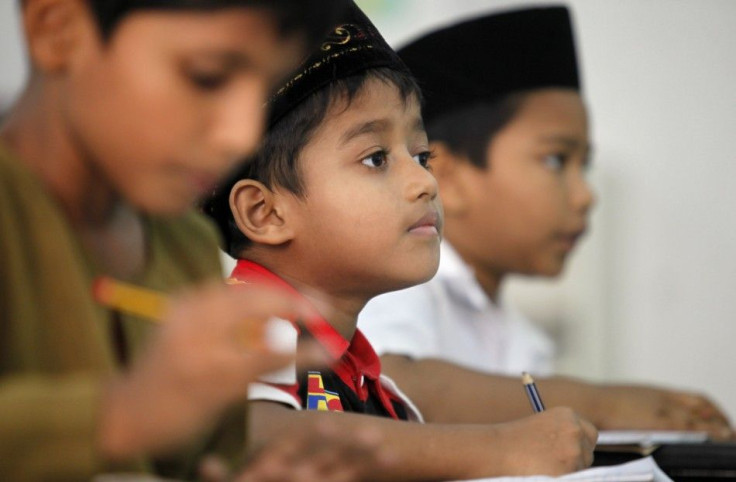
(353, 46)
(483, 59)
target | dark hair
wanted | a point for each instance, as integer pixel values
(313, 17)
(470, 130)
(277, 162)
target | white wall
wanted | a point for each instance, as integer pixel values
(650, 295)
(12, 64)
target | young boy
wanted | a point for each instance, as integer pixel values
(133, 109)
(510, 139)
(339, 206)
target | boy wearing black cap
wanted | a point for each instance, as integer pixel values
(132, 110)
(337, 207)
(510, 138)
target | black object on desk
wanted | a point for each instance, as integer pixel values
(708, 461)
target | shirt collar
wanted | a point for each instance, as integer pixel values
(459, 279)
(365, 356)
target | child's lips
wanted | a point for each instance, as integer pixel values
(429, 224)
(570, 239)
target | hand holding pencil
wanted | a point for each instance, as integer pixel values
(210, 346)
(532, 392)
(551, 442)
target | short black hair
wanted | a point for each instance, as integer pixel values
(469, 131)
(312, 17)
(277, 162)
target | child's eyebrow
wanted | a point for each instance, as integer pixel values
(568, 141)
(236, 60)
(375, 126)
(571, 143)
(227, 58)
(370, 127)
(419, 125)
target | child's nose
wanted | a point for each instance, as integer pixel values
(582, 197)
(421, 181)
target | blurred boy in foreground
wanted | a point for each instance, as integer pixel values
(132, 111)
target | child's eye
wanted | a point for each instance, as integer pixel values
(377, 159)
(207, 81)
(554, 162)
(423, 158)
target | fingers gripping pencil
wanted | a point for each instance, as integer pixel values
(153, 305)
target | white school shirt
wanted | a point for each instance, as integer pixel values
(451, 318)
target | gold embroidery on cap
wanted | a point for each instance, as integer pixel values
(315, 66)
(343, 37)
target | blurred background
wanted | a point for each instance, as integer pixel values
(650, 294)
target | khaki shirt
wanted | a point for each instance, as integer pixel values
(55, 341)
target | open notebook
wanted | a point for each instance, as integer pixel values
(644, 442)
(649, 437)
(642, 470)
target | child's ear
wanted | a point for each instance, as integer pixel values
(54, 30)
(259, 213)
(447, 168)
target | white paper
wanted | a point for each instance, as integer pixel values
(641, 470)
(646, 438)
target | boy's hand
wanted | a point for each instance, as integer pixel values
(644, 408)
(197, 365)
(320, 454)
(553, 442)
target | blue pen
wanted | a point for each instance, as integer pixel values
(531, 391)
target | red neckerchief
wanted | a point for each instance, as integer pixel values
(351, 357)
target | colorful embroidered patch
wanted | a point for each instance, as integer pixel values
(320, 399)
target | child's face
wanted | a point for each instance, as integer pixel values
(529, 207)
(371, 218)
(173, 100)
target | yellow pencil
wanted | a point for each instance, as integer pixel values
(152, 305)
(130, 299)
